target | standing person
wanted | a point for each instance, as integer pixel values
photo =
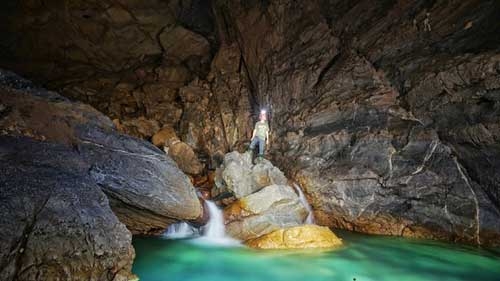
(427, 22)
(260, 134)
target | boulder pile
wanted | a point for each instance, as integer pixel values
(262, 209)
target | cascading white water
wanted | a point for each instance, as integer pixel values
(215, 226)
(180, 230)
(213, 233)
(302, 197)
(214, 230)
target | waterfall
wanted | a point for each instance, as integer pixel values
(214, 231)
(303, 200)
(215, 226)
(180, 230)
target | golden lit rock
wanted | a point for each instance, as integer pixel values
(297, 237)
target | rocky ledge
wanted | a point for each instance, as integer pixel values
(262, 209)
(73, 189)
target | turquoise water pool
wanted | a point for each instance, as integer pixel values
(364, 258)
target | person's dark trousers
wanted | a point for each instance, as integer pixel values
(260, 142)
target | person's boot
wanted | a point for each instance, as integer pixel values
(249, 155)
(259, 159)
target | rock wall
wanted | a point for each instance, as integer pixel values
(74, 190)
(387, 112)
(148, 65)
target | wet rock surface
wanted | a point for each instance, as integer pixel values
(262, 201)
(273, 207)
(72, 186)
(386, 112)
(297, 237)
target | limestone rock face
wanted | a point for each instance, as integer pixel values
(272, 208)
(366, 101)
(297, 237)
(72, 186)
(126, 59)
(389, 128)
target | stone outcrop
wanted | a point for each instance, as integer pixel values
(184, 156)
(265, 212)
(164, 136)
(297, 237)
(387, 112)
(56, 221)
(389, 127)
(272, 208)
(74, 189)
(240, 177)
(260, 199)
(179, 151)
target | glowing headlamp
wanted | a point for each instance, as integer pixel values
(263, 111)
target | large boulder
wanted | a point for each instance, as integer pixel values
(271, 208)
(297, 237)
(240, 177)
(164, 136)
(56, 221)
(184, 156)
(63, 166)
(179, 151)
(180, 43)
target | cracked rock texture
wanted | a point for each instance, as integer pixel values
(73, 189)
(390, 125)
(257, 198)
(389, 128)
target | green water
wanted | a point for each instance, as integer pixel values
(365, 258)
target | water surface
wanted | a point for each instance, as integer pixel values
(364, 258)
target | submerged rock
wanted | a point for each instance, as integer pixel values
(297, 237)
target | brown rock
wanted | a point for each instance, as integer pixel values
(140, 127)
(180, 43)
(185, 157)
(119, 15)
(174, 76)
(164, 136)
